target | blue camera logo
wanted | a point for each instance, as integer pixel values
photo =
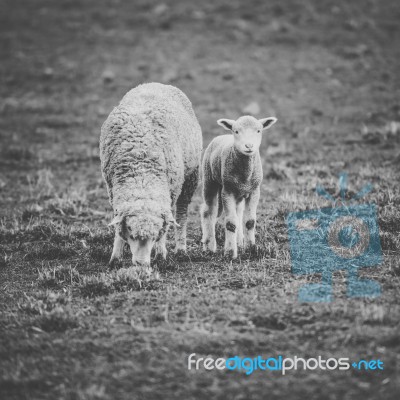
(339, 238)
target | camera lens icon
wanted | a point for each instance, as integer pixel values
(348, 237)
(326, 240)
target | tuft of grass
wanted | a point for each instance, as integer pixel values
(373, 314)
(43, 302)
(16, 231)
(100, 252)
(94, 286)
(272, 321)
(58, 277)
(31, 212)
(375, 134)
(40, 185)
(58, 320)
(124, 279)
(70, 203)
(3, 261)
(50, 251)
(17, 154)
(50, 311)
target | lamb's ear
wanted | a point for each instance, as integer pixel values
(267, 122)
(226, 123)
(116, 220)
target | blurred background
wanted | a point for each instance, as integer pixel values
(322, 67)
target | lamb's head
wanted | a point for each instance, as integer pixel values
(141, 228)
(247, 132)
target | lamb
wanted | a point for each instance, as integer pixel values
(150, 151)
(232, 175)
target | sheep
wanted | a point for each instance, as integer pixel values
(150, 151)
(232, 175)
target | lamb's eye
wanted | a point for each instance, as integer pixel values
(236, 131)
(258, 131)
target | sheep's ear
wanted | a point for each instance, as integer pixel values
(172, 221)
(116, 220)
(169, 219)
(226, 123)
(267, 122)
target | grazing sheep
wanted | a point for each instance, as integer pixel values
(150, 150)
(232, 174)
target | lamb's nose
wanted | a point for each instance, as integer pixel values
(249, 146)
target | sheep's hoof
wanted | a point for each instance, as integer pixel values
(161, 252)
(115, 264)
(159, 258)
(180, 253)
(211, 251)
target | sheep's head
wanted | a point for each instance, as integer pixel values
(141, 228)
(247, 132)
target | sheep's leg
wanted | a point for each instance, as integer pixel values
(239, 212)
(160, 246)
(250, 216)
(182, 204)
(231, 223)
(118, 250)
(209, 214)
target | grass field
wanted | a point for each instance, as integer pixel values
(72, 329)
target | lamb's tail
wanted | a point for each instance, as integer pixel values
(220, 206)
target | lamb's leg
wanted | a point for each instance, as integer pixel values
(182, 204)
(239, 212)
(231, 223)
(117, 253)
(209, 213)
(250, 215)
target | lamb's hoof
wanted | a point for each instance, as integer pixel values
(180, 246)
(230, 254)
(180, 254)
(115, 264)
(209, 254)
(251, 248)
(209, 246)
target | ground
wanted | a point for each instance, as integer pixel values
(72, 329)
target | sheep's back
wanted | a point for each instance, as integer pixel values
(155, 119)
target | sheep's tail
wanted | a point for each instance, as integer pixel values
(220, 206)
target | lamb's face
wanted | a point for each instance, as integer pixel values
(247, 135)
(247, 132)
